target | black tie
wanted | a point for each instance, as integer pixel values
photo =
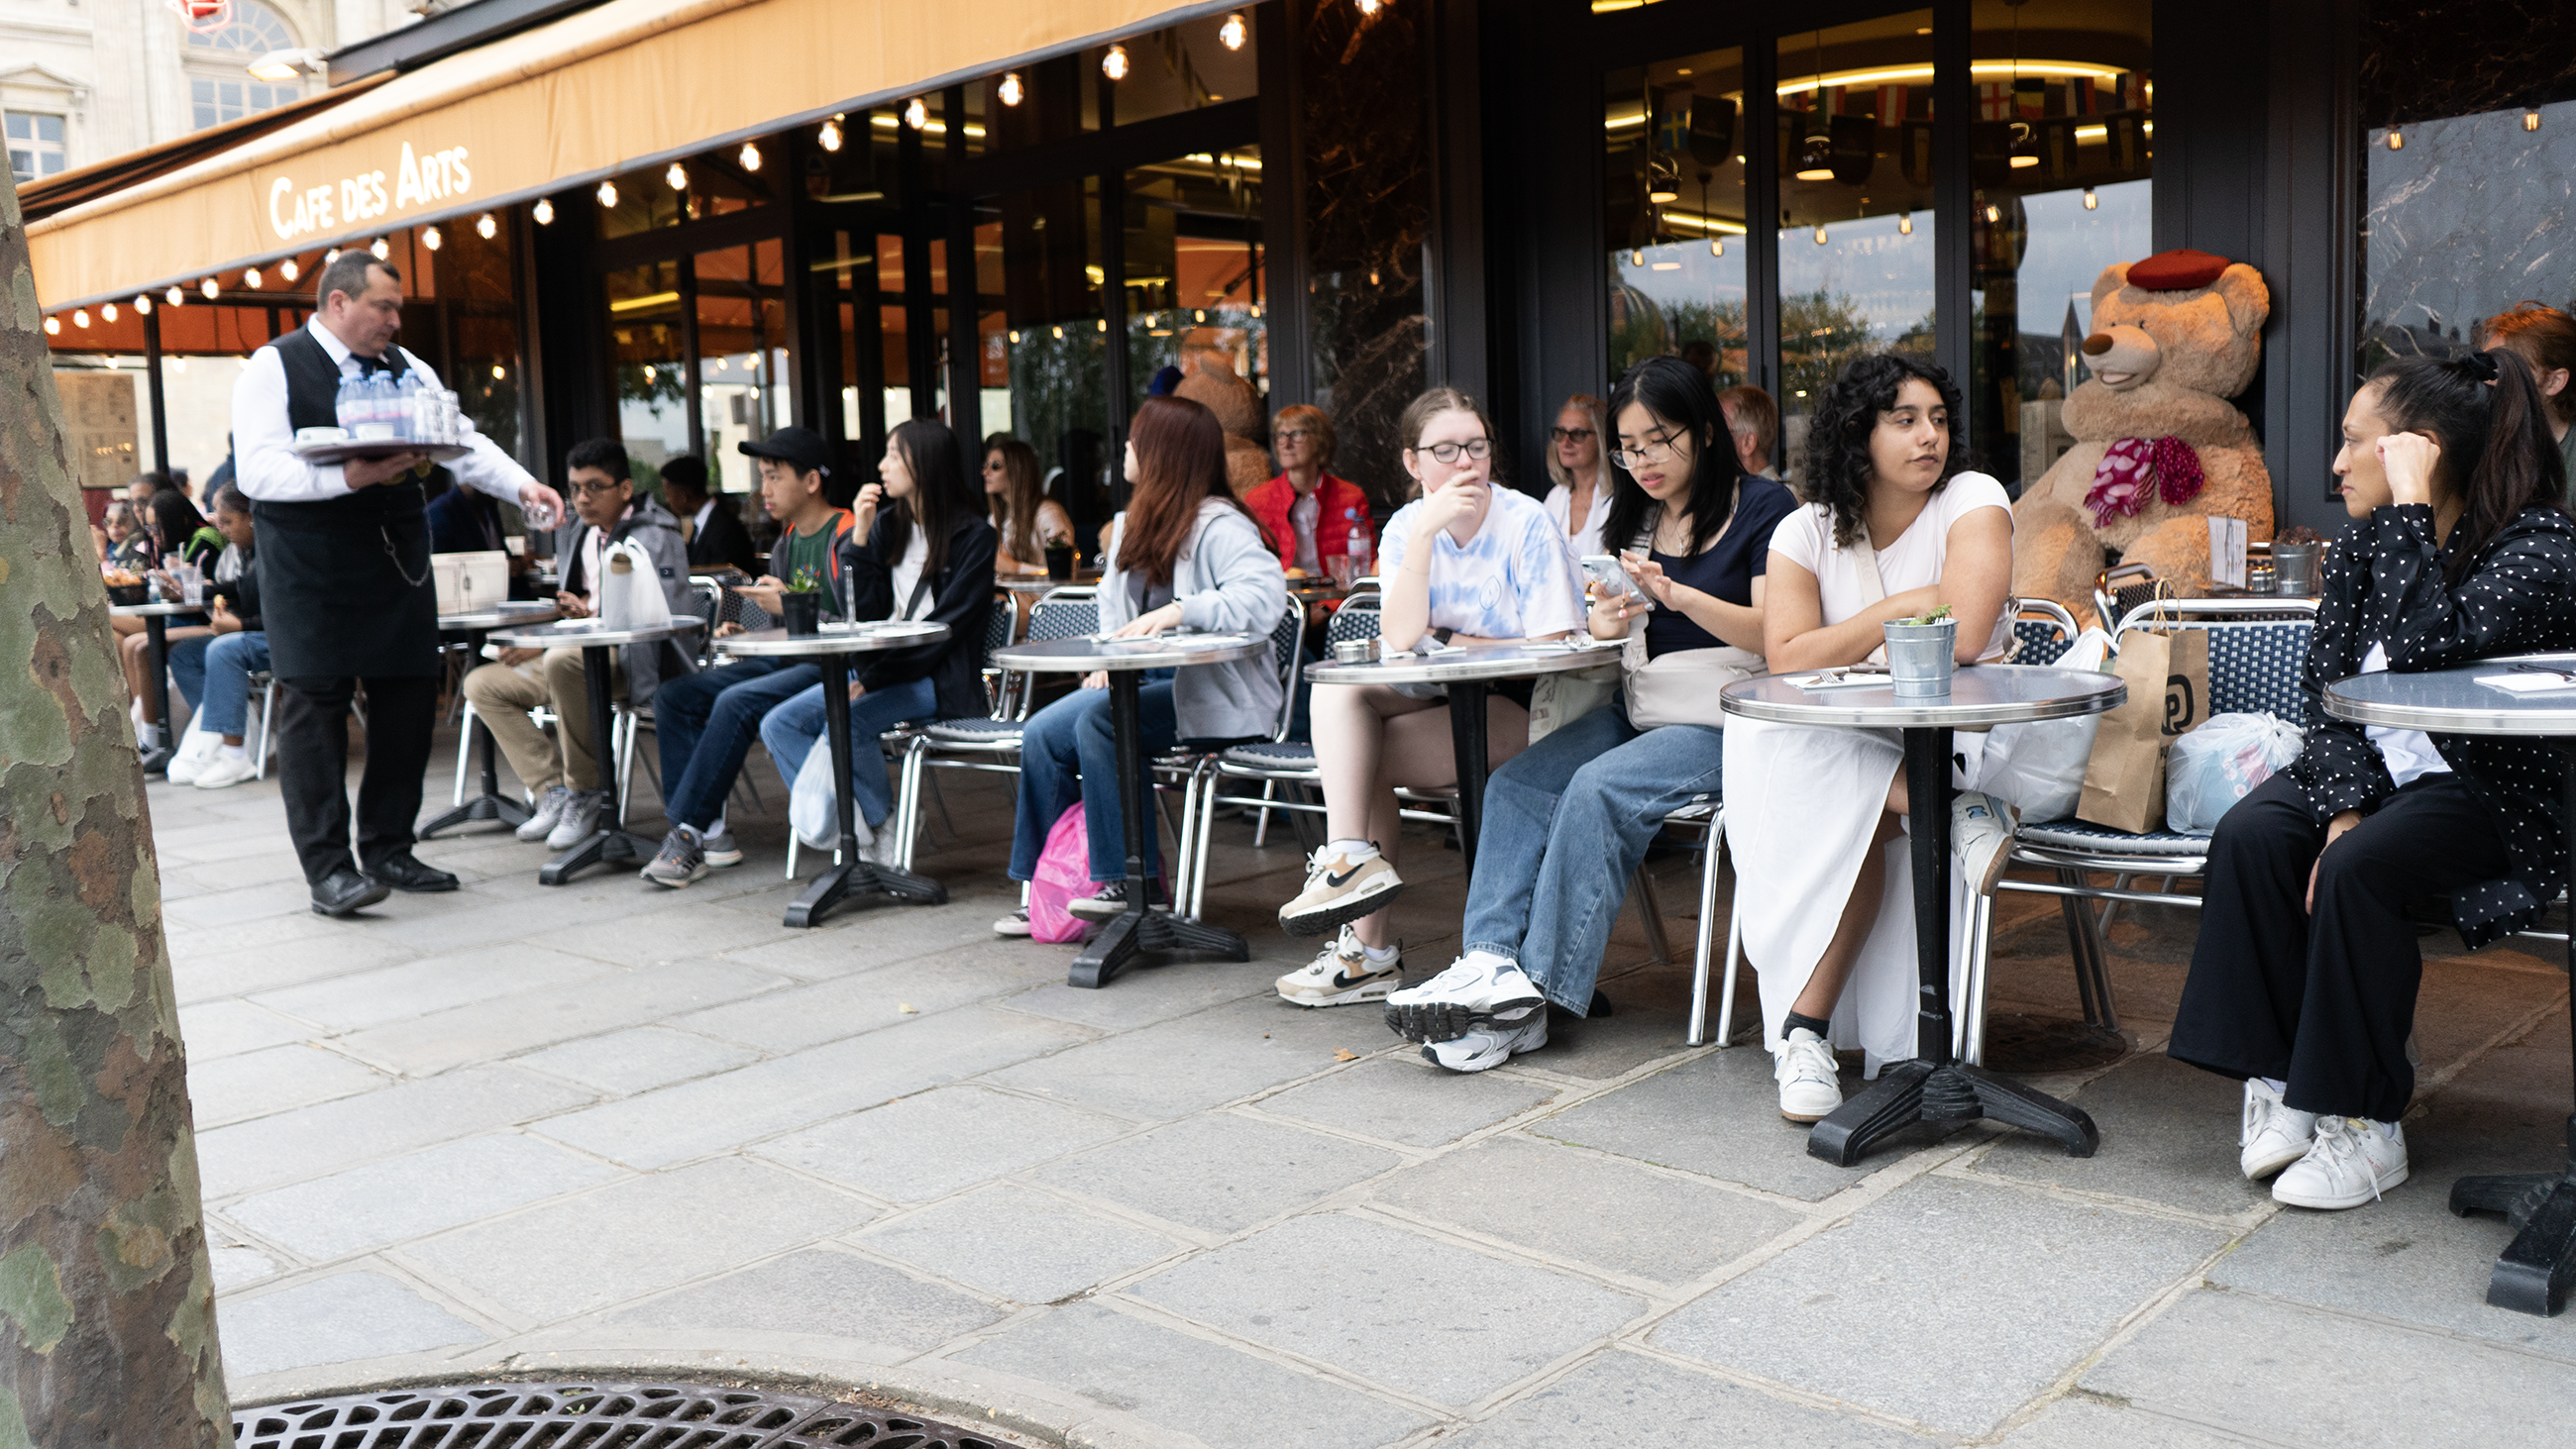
(370, 366)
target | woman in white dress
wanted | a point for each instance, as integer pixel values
(1816, 815)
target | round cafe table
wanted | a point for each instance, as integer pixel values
(1934, 1086)
(2534, 1271)
(156, 633)
(1469, 676)
(833, 649)
(612, 841)
(490, 804)
(1143, 926)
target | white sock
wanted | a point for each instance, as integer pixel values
(1353, 851)
(2277, 1085)
(236, 752)
(1378, 955)
(716, 829)
(2385, 1129)
(694, 834)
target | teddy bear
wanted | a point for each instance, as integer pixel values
(1212, 384)
(2158, 448)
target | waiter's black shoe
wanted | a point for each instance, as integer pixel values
(404, 872)
(344, 890)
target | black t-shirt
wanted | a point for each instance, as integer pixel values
(1726, 570)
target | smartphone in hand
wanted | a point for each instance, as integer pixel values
(1614, 578)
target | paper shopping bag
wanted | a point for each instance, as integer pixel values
(2168, 679)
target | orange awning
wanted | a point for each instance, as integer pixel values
(622, 85)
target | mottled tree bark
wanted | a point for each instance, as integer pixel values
(107, 1316)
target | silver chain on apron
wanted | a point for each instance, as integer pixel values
(392, 553)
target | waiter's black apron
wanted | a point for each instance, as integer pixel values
(344, 583)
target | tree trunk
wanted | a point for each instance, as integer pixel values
(107, 1315)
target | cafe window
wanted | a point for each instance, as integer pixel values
(648, 355)
(741, 335)
(1674, 189)
(2063, 140)
(35, 146)
(1194, 269)
(220, 88)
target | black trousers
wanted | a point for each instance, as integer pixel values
(2325, 1001)
(313, 766)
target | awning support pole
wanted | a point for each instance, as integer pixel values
(155, 403)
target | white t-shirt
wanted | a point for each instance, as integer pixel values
(907, 571)
(1585, 541)
(1513, 580)
(2409, 754)
(1912, 561)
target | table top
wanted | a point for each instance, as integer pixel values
(1467, 666)
(1980, 694)
(1150, 651)
(1035, 583)
(500, 616)
(865, 638)
(592, 634)
(2451, 701)
(151, 611)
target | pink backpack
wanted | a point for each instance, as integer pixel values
(1063, 876)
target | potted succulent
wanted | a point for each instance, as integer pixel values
(1921, 652)
(802, 603)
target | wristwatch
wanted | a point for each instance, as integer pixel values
(1441, 636)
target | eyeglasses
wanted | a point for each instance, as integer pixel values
(595, 490)
(1480, 449)
(1653, 450)
(1568, 435)
(1284, 434)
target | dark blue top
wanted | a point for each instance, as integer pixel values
(1726, 570)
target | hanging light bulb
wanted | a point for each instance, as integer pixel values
(1256, 309)
(543, 211)
(1820, 236)
(108, 311)
(1059, 334)
(1114, 64)
(430, 237)
(1233, 32)
(915, 114)
(175, 295)
(1015, 339)
(1009, 92)
(80, 317)
(2396, 139)
(331, 256)
(499, 372)
(2091, 202)
(380, 249)
(250, 278)
(290, 271)
(209, 287)
(1104, 324)
(1717, 246)
(53, 327)
(1199, 316)
(2531, 120)
(677, 176)
(1636, 258)
(143, 306)
(750, 156)
(1905, 223)
(485, 227)
(607, 193)
(830, 135)
(1369, 7)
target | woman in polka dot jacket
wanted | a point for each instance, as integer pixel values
(2304, 979)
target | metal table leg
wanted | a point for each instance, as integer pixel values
(157, 753)
(491, 804)
(1467, 737)
(1934, 1087)
(613, 842)
(1142, 926)
(852, 874)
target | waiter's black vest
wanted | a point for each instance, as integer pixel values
(313, 401)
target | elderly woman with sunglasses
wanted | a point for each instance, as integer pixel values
(1580, 499)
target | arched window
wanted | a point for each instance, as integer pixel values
(220, 87)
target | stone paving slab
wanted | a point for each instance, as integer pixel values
(1410, 1101)
(924, 1147)
(1637, 1401)
(1019, 1245)
(1271, 1168)
(311, 1141)
(334, 1320)
(821, 1290)
(384, 1203)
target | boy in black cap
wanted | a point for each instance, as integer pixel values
(706, 722)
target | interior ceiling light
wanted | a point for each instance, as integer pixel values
(1233, 32)
(380, 249)
(1820, 236)
(499, 372)
(750, 156)
(1114, 64)
(916, 115)
(174, 296)
(2396, 139)
(250, 278)
(1994, 213)
(430, 237)
(1636, 257)
(678, 176)
(290, 271)
(1717, 246)
(607, 193)
(485, 227)
(210, 288)
(543, 211)
(830, 135)
(1369, 7)
(1015, 339)
(2531, 120)
(1816, 148)
(1009, 91)
(1059, 334)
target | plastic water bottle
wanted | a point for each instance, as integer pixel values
(381, 403)
(409, 424)
(345, 405)
(1362, 552)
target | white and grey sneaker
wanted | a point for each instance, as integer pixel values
(549, 814)
(1811, 1083)
(719, 849)
(1016, 924)
(1981, 835)
(1478, 989)
(2271, 1135)
(1488, 1047)
(1339, 890)
(679, 862)
(2352, 1162)
(197, 749)
(1342, 973)
(580, 818)
(1109, 902)
(225, 771)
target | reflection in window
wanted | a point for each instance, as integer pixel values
(1194, 273)
(742, 357)
(1056, 345)
(219, 88)
(1674, 187)
(645, 349)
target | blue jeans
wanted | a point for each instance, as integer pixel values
(1074, 740)
(214, 672)
(704, 724)
(792, 728)
(1566, 823)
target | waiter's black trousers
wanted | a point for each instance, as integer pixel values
(2325, 1001)
(313, 766)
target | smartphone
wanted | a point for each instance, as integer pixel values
(1614, 578)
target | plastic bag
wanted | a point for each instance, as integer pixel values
(631, 599)
(814, 808)
(2039, 766)
(1063, 876)
(2220, 763)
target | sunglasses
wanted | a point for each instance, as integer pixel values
(1567, 435)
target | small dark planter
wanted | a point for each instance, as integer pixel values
(804, 614)
(125, 593)
(1059, 562)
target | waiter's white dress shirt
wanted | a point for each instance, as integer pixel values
(264, 459)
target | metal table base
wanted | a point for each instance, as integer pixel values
(612, 843)
(1143, 926)
(852, 876)
(490, 804)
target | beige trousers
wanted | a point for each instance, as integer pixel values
(504, 693)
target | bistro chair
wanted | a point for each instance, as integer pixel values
(989, 742)
(1196, 769)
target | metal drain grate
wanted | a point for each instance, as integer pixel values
(589, 1415)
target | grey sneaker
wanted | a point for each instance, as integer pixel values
(679, 862)
(720, 850)
(580, 818)
(550, 809)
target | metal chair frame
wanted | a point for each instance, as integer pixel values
(1063, 613)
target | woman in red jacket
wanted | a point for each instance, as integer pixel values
(1305, 512)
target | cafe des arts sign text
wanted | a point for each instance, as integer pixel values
(418, 179)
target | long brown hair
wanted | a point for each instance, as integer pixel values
(2493, 434)
(940, 493)
(1180, 463)
(1015, 508)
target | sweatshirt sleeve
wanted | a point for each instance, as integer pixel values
(1249, 592)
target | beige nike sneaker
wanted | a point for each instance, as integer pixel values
(1339, 891)
(1342, 973)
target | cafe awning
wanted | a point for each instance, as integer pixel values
(626, 84)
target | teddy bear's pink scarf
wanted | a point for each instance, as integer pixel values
(2134, 468)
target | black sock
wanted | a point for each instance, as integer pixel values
(1795, 1021)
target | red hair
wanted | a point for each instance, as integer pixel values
(1180, 463)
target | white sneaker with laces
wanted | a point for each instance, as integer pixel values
(2271, 1135)
(1016, 924)
(1343, 973)
(1477, 990)
(1488, 1047)
(548, 814)
(1339, 890)
(579, 819)
(2352, 1162)
(225, 771)
(1811, 1083)
(1981, 836)
(197, 749)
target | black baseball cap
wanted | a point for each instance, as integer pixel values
(800, 448)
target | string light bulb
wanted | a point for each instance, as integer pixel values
(1059, 334)
(1009, 92)
(430, 237)
(1233, 32)
(143, 306)
(1636, 258)
(1820, 236)
(485, 227)
(250, 278)
(2396, 139)
(380, 249)
(499, 372)
(750, 156)
(543, 211)
(1717, 246)
(2091, 202)
(53, 327)
(607, 194)
(2531, 120)
(677, 176)
(210, 288)
(331, 256)
(1994, 213)
(80, 317)
(830, 135)
(175, 295)
(108, 311)
(290, 271)
(1114, 64)
(1015, 339)
(1369, 8)
(915, 114)
(1905, 224)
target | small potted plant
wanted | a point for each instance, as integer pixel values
(1921, 652)
(803, 605)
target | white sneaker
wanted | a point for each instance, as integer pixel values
(1477, 990)
(721, 851)
(1981, 836)
(1343, 973)
(1488, 1047)
(225, 771)
(1016, 924)
(580, 817)
(2271, 1135)
(549, 814)
(2351, 1162)
(1811, 1083)
(196, 749)
(1338, 891)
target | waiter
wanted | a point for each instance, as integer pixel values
(344, 584)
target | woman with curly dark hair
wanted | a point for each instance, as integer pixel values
(1893, 528)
